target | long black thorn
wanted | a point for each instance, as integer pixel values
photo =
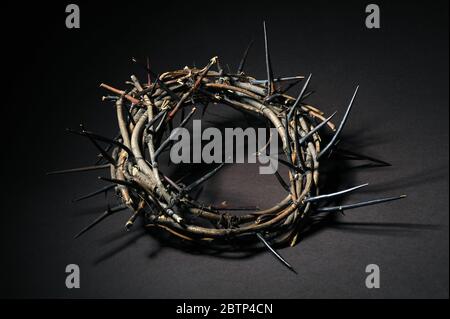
(339, 193)
(341, 125)
(161, 123)
(244, 58)
(138, 188)
(268, 63)
(102, 139)
(100, 218)
(315, 129)
(279, 79)
(290, 86)
(172, 183)
(203, 179)
(180, 180)
(290, 165)
(286, 163)
(121, 182)
(357, 205)
(79, 169)
(132, 185)
(108, 140)
(300, 96)
(105, 154)
(282, 182)
(153, 120)
(275, 253)
(129, 115)
(307, 94)
(107, 149)
(168, 140)
(94, 193)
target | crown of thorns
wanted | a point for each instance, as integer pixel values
(146, 112)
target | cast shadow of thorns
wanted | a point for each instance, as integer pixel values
(337, 172)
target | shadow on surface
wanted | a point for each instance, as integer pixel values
(336, 174)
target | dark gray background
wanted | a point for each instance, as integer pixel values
(401, 115)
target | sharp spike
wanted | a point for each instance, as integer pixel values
(106, 149)
(80, 169)
(341, 126)
(130, 116)
(161, 123)
(275, 253)
(289, 165)
(280, 79)
(153, 120)
(318, 127)
(325, 196)
(108, 140)
(180, 180)
(168, 140)
(203, 179)
(186, 119)
(291, 85)
(307, 94)
(153, 198)
(286, 163)
(172, 183)
(357, 205)
(270, 87)
(94, 193)
(100, 218)
(104, 153)
(244, 58)
(120, 182)
(102, 139)
(299, 98)
(289, 78)
(282, 182)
